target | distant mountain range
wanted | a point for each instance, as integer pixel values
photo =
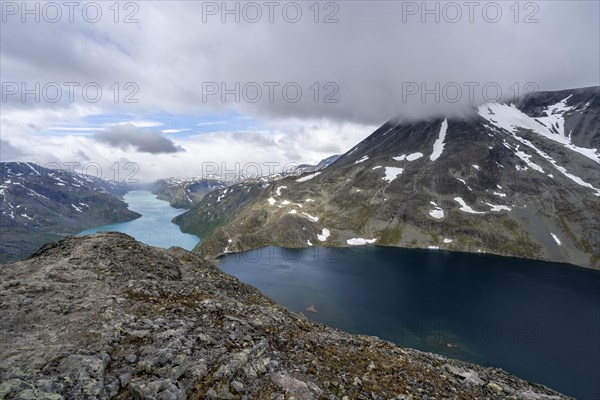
(38, 205)
(514, 179)
(185, 192)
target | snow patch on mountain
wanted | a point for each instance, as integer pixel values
(363, 159)
(392, 173)
(312, 218)
(465, 183)
(279, 189)
(497, 208)
(414, 156)
(526, 158)
(465, 208)
(307, 177)
(324, 235)
(561, 169)
(438, 212)
(359, 241)
(438, 146)
(551, 126)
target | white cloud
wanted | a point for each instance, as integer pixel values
(140, 124)
(169, 55)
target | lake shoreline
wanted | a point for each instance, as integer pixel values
(515, 315)
(154, 226)
(218, 257)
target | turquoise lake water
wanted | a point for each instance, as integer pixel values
(154, 227)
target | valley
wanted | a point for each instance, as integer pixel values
(340, 200)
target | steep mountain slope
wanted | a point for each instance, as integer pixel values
(519, 180)
(104, 316)
(38, 205)
(218, 208)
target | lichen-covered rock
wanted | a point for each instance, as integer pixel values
(104, 316)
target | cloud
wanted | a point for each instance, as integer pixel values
(124, 136)
(371, 55)
(210, 123)
(8, 152)
(140, 124)
(175, 130)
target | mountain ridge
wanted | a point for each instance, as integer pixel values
(502, 182)
(38, 205)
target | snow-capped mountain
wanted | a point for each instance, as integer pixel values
(38, 205)
(514, 179)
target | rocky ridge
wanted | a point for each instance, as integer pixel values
(104, 316)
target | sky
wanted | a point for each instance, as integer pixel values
(179, 87)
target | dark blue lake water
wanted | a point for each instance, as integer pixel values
(154, 227)
(537, 320)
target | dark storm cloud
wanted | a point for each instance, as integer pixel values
(147, 141)
(375, 55)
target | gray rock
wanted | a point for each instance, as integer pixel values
(184, 347)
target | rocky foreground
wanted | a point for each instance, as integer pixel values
(105, 316)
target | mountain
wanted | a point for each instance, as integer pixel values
(38, 205)
(513, 179)
(304, 168)
(104, 316)
(185, 192)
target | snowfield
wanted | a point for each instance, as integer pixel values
(552, 126)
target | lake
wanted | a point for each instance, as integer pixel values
(154, 227)
(537, 320)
